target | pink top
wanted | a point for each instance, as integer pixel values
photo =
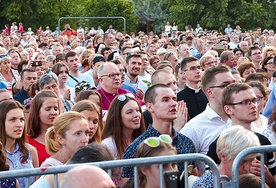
(107, 98)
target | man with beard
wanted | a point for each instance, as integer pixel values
(133, 65)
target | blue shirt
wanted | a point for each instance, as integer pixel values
(21, 95)
(139, 84)
(270, 102)
(14, 160)
(182, 143)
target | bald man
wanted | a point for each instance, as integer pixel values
(84, 176)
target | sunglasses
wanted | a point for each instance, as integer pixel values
(155, 141)
(122, 98)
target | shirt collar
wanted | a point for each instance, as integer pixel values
(196, 90)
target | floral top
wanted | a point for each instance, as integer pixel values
(15, 78)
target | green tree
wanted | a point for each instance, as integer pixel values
(156, 9)
(213, 14)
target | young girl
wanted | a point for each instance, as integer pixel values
(124, 124)
(20, 155)
(152, 147)
(92, 113)
(43, 111)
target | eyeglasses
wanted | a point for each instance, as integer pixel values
(122, 98)
(4, 55)
(113, 76)
(255, 101)
(209, 63)
(128, 53)
(155, 141)
(258, 53)
(193, 68)
(221, 86)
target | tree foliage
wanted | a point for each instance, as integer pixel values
(35, 13)
(215, 14)
(155, 9)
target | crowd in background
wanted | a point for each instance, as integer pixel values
(138, 94)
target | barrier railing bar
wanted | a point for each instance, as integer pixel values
(123, 163)
(239, 158)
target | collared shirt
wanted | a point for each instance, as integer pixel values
(203, 129)
(14, 159)
(182, 143)
(139, 84)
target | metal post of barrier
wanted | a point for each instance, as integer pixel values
(161, 176)
(74, 18)
(238, 160)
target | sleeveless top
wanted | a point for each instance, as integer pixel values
(14, 159)
(41, 149)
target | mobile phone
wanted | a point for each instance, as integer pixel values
(172, 179)
(36, 64)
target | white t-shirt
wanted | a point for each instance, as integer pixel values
(168, 28)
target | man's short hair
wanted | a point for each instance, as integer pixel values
(47, 78)
(231, 89)
(25, 70)
(155, 76)
(187, 60)
(20, 66)
(209, 75)
(224, 56)
(133, 56)
(151, 93)
(251, 48)
(70, 54)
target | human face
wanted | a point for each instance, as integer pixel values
(48, 111)
(152, 173)
(95, 99)
(131, 116)
(223, 80)
(242, 114)
(39, 71)
(93, 119)
(57, 50)
(173, 59)
(192, 75)
(247, 72)
(122, 71)
(5, 96)
(270, 66)
(110, 84)
(63, 75)
(238, 54)
(133, 66)
(25, 56)
(260, 96)
(5, 65)
(14, 124)
(28, 79)
(209, 63)
(76, 137)
(167, 79)
(73, 63)
(53, 86)
(256, 56)
(67, 49)
(184, 50)
(15, 59)
(244, 46)
(145, 61)
(270, 54)
(165, 106)
(155, 63)
(231, 60)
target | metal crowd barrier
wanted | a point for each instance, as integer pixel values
(238, 160)
(121, 163)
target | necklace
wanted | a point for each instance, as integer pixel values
(107, 97)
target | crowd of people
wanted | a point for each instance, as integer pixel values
(136, 95)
